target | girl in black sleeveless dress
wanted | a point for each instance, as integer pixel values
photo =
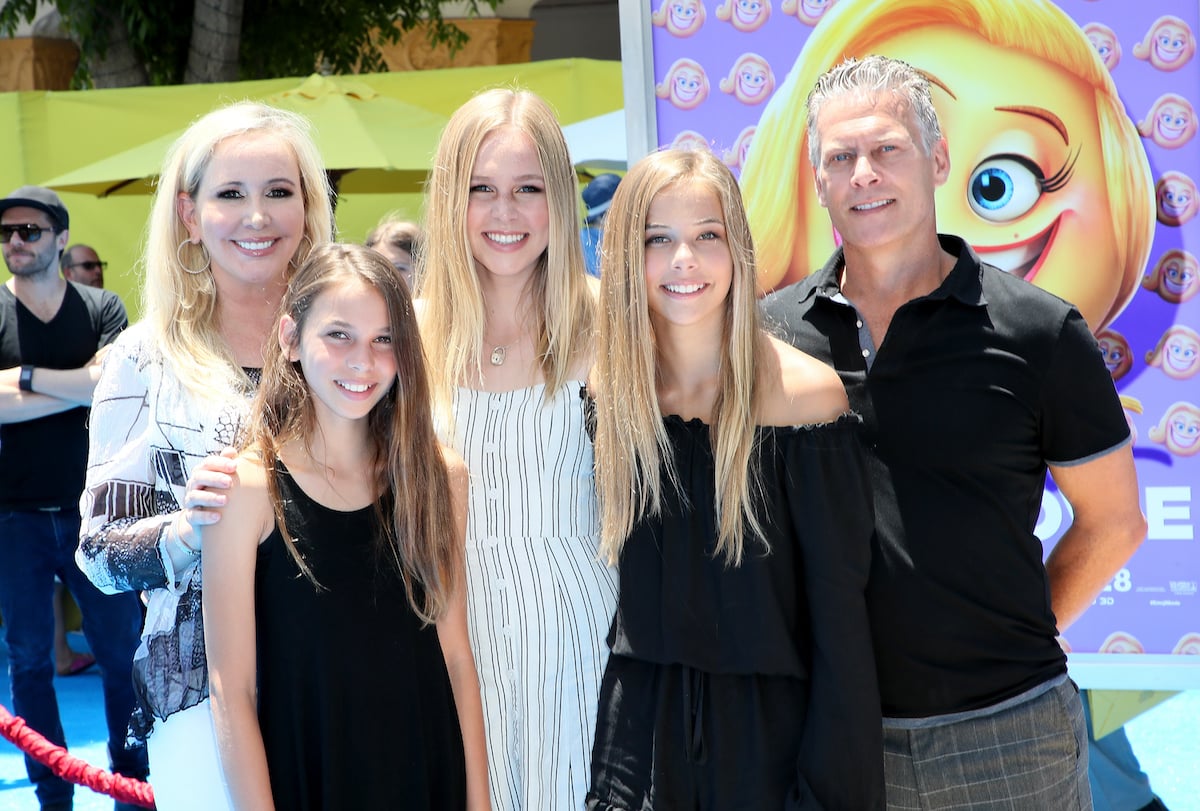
(334, 604)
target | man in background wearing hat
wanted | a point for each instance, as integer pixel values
(52, 334)
(597, 196)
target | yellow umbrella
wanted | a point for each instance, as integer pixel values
(370, 143)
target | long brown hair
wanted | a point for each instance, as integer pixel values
(419, 534)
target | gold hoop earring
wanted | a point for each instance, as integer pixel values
(292, 262)
(183, 264)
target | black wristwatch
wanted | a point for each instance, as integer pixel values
(26, 381)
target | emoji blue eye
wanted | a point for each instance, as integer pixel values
(1002, 189)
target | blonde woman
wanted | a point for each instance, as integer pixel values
(741, 673)
(507, 322)
(242, 200)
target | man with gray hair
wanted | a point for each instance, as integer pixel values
(971, 384)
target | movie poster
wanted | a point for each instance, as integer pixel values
(1074, 163)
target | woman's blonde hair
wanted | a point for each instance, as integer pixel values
(777, 184)
(418, 533)
(447, 279)
(180, 305)
(632, 447)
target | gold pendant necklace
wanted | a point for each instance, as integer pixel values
(499, 353)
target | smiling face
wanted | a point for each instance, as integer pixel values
(1115, 351)
(754, 81)
(684, 17)
(1104, 40)
(1168, 45)
(749, 15)
(508, 216)
(1179, 278)
(248, 211)
(345, 350)
(810, 12)
(687, 85)
(1181, 354)
(1171, 122)
(689, 268)
(1028, 189)
(872, 173)
(1175, 195)
(1183, 431)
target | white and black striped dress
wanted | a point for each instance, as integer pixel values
(540, 603)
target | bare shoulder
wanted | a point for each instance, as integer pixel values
(249, 500)
(798, 389)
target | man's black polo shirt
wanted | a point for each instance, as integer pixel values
(975, 387)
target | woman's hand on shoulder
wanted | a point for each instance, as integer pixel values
(247, 511)
(804, 390)
(205, 496)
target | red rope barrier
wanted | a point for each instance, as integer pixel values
(68, 767)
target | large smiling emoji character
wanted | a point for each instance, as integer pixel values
(1168, 45)
(1048, 178)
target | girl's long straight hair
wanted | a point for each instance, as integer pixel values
(452, 306)
(632, 447)
(418, 534)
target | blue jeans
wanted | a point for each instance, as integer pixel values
(34, 547)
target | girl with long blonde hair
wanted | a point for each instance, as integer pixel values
(733, 499)
(507, 318)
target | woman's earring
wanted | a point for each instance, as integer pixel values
(184, 265)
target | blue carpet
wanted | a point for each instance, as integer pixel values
(1166, 740)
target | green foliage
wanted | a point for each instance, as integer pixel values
(278, 38)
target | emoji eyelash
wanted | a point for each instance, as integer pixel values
(1060, 178)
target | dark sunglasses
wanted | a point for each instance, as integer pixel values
(89, 265)
(29, 232)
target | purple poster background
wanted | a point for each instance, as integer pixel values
(715, 68)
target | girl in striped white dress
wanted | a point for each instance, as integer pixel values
(507, 322)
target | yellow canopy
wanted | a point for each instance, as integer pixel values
(60, 136)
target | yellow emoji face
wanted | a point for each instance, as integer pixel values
(1027, 185)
